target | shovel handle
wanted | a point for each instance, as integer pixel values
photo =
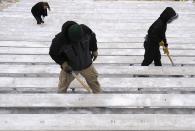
(82, 83)
(163, 44)
(170, 59)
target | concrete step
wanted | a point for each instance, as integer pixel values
(102, 52)
(101, 45)
(97, 100)
(103, 70)
(46, 59)
(59, 122)
(108, 85)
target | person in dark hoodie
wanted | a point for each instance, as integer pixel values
(156, 34)
(39, 10)
(75, 49)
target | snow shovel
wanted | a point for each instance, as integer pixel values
(167, 53)
(164, 48)
(82, 83)
(170, 59)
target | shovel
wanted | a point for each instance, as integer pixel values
(81, 82)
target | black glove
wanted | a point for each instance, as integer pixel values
(166, 45)
(94, 55)
(65, 67)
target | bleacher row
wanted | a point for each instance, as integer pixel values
(133, 97)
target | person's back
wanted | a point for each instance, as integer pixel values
(156, 32)
(77, 53)
(37, 7)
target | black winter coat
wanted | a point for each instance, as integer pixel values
(38, 9)
(156, 32)
(77, 55)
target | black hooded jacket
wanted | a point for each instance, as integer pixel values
(156, 32)
(77, 55)
(38, 9)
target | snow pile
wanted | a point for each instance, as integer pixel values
(5, 3)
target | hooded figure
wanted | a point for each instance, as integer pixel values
(74, 49)
(156, 34)
(40, 9)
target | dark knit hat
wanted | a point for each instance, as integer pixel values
(75, 33)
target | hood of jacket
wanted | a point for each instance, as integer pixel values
(168, 14)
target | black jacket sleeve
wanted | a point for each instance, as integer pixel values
(56, 51)
(93, 41)
(45, 10)
(48, 6)
(164, 36)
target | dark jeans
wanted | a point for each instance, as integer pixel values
(38, 18)
(152, 53)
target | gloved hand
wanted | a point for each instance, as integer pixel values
(166, 50)
(65, 67)
(94, 55)
(162, 43)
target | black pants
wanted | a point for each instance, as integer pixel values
(152, 53)
(37, 17)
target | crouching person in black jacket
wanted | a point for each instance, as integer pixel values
(156, 34)
(73, 49)
(40, 9)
